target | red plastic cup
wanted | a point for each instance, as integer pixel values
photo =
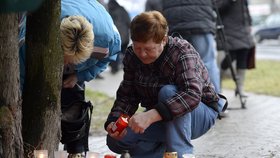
(120, 124)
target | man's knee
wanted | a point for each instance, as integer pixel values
(166, 92)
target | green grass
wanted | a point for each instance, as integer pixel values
(102, 104)
(262, 80)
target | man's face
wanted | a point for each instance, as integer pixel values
(149, 51)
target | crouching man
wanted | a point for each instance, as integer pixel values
(166, 76)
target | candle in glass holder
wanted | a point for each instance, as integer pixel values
(120, 124)
(92, 155)
(170, 155)
(188, 156)
(60, 154)
(41, 153)
(110, 156)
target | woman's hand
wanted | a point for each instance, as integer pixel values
(70, 81)
(141, 121)
(116, 135)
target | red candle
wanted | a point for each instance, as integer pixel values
(110, 156)
(120, 124)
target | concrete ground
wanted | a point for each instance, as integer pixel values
(253, 132)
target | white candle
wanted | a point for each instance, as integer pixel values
(41, 153)
(188, 156)
(92, 155)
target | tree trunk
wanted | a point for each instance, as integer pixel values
(44, 64)
(11, 144)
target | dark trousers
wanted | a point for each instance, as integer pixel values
(69, 96)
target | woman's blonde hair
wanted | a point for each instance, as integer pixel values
(77, 38)
(148, 25)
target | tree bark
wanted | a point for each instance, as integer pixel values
(11, 144)
(44, 64)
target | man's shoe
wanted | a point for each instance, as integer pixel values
(114, 71)
(224, 114)
(77, 155)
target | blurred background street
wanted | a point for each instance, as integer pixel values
(269, 49)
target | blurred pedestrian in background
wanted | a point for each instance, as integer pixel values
(195, 21)
(236, 19)
(122, 21)
(153, 5)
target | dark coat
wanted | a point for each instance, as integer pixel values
(190, 16)
(236, 19)
(121, 19)
(153, 5)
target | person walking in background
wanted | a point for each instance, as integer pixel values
(167, 77)
(90, 41)
(237, 22)
(122, 20)
(153, 5)
(195, 21)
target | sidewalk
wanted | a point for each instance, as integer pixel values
(253, 132)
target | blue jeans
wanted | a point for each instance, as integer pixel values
(175, 135)
(205, 45)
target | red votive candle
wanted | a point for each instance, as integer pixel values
(120, 124)
(110, 156)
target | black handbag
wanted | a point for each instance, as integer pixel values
(76, 116)
(75, 121)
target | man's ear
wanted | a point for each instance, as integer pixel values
(164, 40)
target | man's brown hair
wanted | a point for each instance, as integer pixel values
(148, 25)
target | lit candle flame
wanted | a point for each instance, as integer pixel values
(41, 153)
